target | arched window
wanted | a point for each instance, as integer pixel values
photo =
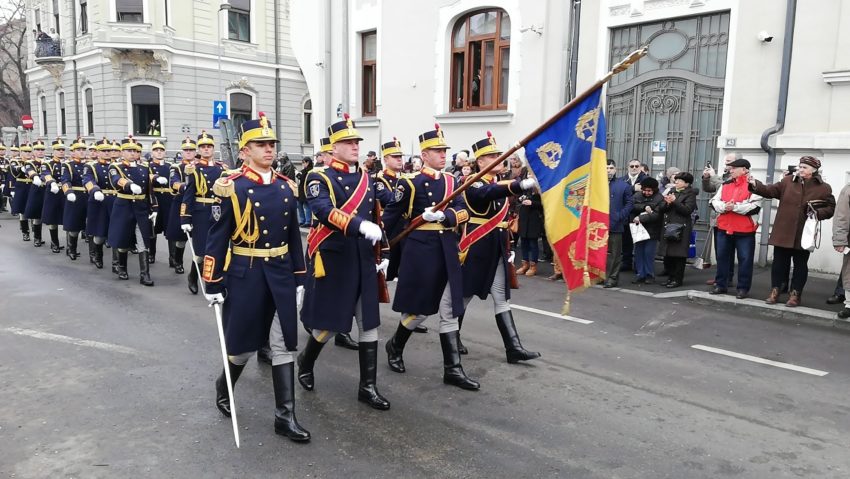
(241, 109)
(307, 117)
(481, 47)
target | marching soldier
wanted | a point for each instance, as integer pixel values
(342, 279)
(198, 199)
(35, 198)
(429, 274)
(161, 172)
(484, 245)
(20, 192)
(54, 202)
(254, 251)
(76, 198)
(134, 208)
(101, 197)
(177, 180)
(4, 174)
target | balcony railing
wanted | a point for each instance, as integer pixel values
(47, 49)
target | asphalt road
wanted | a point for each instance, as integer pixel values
(107, 378)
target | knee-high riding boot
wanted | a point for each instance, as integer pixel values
(285, 422)
(460, 347)
(453, 372)
(513, 347)
(306, 361)
(222, 401)
(395, 348)
(367, 391)
(145, 269)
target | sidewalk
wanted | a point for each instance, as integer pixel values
(818, 288)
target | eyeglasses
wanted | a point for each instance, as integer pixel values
(634, 166)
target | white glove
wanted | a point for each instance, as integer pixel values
(12, 193)
(54, 188)
(187, 228)
(382, 266)
(299, 297)
(99, 196)
(162, 180)
(135, 189)
(36, 180)
(432, 216)
(152, 217)
(529, 184)
(511, 257)
(71, 197)
(216, 298)
(371, 231)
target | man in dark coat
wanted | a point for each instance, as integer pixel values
(634, 175)
(618, 210)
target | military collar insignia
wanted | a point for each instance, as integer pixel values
(342, 166)
(430, 172)
(390, 173)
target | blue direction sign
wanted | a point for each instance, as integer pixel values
(219, 111)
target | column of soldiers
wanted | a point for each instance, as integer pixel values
(244, 228)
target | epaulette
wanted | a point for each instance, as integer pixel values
(190, 168)
(224, 186)
(227, 172)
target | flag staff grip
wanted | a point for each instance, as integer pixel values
(618, 68)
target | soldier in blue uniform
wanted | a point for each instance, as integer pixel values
(76, 198)
(101, 197)
(484, 249)
(342, 274)
(5, 186)
(177, 181)
(35, 198)
(54, 202)
(198, 199)
(20, 192)
(429, 276)
(134, 208)
(161, 173)
(254, 251)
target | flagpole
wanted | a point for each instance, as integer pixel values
(618, 68)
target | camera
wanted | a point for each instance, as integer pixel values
(792, 169)
(523, 198)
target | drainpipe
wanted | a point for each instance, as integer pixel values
(277, 112)
(74, 63)
(781, 109)
(329, 108)
(344, 97)
(575, 26)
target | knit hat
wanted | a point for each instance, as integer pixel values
(811, 161)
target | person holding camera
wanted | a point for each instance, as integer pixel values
(679, 203)
(798, 193)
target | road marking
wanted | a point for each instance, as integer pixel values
(75, 341)
(755, 359)
(554, 315)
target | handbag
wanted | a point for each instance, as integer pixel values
(639, 232)
(810, 240)
(513, 224)
(673, 232)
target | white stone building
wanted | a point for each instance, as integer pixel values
(120, 64)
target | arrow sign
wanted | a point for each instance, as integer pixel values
(219, 112)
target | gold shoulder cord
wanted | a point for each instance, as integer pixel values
(247, 229)
(201, 187)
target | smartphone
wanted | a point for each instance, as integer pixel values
(708, 165)
(792, 169)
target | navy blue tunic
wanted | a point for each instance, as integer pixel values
(388, 180)
(430, 257)
(22, 186)
(74, 217)
(347, 258)
(163, 193)
(257, 287)
(130, 210)
(96, 178)
(177, 182)
(486, 199)
(198, 199)
(35, 199)
(54, 203)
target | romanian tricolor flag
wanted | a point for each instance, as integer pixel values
(568, 159)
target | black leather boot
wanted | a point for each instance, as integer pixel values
(92, 248)
(306, 361)
(71, 247)
(460, 347)
(98, 255)
(513, 347)
(122, 265)
(54, 240)
(36, 233)
(171, 262)
(222, 401)
(395, 348)
(25, 230)
(452, 370)
(193, 278)
(152, 251)
(178, 260)
(144, 269)
(420, 329)
(285, 422)
(264, 354)
(367, 391)
(115, 261)
(344, 340)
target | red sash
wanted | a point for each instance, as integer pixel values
(321, 232)
(469, 239)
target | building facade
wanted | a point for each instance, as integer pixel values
(710, 84)
(154, 68)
